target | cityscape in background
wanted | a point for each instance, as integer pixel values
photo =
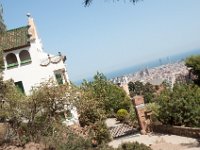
(138, 72)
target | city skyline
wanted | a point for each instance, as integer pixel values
(109, 36)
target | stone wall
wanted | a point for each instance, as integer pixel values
(177, 130)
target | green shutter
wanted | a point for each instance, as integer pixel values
(59, 78)
(20, 86)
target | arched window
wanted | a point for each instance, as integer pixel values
(11, 60)
(24, 57)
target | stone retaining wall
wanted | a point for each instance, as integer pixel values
(177, 130)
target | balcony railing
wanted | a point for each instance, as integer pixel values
(12, 65)
(28, 61)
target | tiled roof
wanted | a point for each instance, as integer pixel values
(14, 39)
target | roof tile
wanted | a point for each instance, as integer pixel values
(15, 38)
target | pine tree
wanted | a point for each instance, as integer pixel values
(2, 25)
(2, 29)
(87, 2)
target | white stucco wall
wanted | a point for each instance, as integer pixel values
(32, 74)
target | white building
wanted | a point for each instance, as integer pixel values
(26, 63)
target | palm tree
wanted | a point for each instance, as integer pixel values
(88, 2)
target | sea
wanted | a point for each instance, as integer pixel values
(151, 64)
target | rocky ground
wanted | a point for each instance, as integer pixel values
(28, 146)
(160, 141)
(156, 141)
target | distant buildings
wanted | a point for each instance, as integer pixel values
(169, 73)
(25, 62)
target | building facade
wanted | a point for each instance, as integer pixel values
(26, 63)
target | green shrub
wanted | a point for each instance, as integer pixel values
(133, 121)
(89, 116)
(180, 106)
(100, 132)
(104, 94)
(154, 107)
(66, 139)
(122, 115)
(133, 146)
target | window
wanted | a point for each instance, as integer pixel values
(25, 57)
(11, 60)
(20, 86)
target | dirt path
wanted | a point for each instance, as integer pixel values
(160, 142)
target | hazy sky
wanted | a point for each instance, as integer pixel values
(108, 36)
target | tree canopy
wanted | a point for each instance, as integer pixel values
(2, 29)
(193, 63)
(2, 25)
(101, 98)
(88, 2)
(180, 106)
(138, 88)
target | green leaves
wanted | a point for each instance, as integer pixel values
(88, 2)
(109, 96)
(180, 106)
(193, 63)
(100, 98)
(138, 88)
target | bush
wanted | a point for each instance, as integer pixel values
(75, 138)
(89, 116)
(101, 133)
(65, 139)
(107, 96)
(133, 146)
(180, 106)
(133, 121)
(122, 115)
(154, 107)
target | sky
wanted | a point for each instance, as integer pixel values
(109, 36)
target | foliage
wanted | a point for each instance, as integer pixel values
(42, 111)
(2, 25)
(34, 116)
(194, 63)
(2, 29)
(89, 108)
(45, 107)
(88, 2)
(11, 101)
(100, 98)
(105, 147)
(154, 107)
(100, 132)
(133, 121)
(133, 146)
(102, 94)
(122, 115)
(89, 111)
(1, 65)
(64, 138)
(138, 88)
(180, 106)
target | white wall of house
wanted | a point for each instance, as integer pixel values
(32, 74)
